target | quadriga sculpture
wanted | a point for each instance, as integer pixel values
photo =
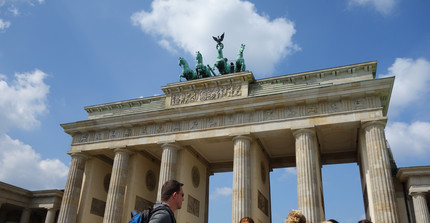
(187, 73)
(201, 70)
(240, 62)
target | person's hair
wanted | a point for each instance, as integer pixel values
(246, 219)
(170, 187)
(296, 216)
(364, 221)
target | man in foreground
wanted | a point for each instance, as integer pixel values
(172, 197)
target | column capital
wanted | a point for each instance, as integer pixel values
(171, 145)
(247, 137)
(80, 154)
(417, 193)
(297, 132)
(380, 122)
(123, 150)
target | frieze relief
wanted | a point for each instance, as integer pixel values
(208, 94)
(286, 112)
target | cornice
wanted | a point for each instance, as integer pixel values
(378, 87)
(404, 173)
(317, 74)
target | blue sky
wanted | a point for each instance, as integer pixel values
(58, 56)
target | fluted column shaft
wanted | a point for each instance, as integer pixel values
(384, 202)
(50, 215)
(25, 215)
(309, 194)
(241, 197)
(421, 209)
(168, 165)
(69, 204)
(115, 198)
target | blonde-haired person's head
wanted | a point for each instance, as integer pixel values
(296, 216)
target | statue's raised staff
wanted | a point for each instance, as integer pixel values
(187, 73)
(221, 62)
(240, 62)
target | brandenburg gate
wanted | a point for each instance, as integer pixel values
(125, 150)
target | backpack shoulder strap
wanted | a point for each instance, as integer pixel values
(162, 207)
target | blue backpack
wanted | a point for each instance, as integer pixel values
(145, 216)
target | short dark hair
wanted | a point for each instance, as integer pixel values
(333, 221)
(170, 187)
(364, 221)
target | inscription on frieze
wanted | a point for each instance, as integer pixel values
(208, 94)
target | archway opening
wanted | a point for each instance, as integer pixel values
(220, 190)
(283, 192)
(343, 198)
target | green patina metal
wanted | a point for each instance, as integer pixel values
(202, 70)
(221, 63)
(187, 73)
(240, 62)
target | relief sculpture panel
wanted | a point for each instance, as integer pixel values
(224, 91)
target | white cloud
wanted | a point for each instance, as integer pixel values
(22, 100)
(221, 191)
(13, 10)
(21, 166)
(382, 6)
(4, 25)
(189, 26)
(409, 140)
(411, 83)
(286, 172)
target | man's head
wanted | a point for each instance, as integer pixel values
(364, 221)
(172, 194)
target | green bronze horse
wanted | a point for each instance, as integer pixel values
(187, 73)
(201, 70)
(221, 62)
(240, 62)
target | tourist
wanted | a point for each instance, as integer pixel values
(246, 220)
(172, 197)
(364, 221)
(296, 216)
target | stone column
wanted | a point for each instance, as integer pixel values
(25, 215)
(69, 204)
(384, 202)
(115, 198)
(309, 186)
(168, 165)
(421, 209)
(241, 197)
(50, 215)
